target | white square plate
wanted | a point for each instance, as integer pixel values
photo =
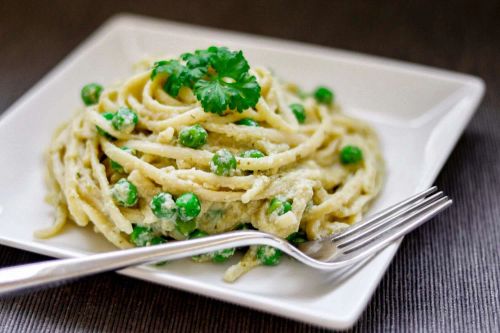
(419, 113)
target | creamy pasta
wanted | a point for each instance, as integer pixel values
(145, 163)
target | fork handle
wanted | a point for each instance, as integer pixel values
(54, 272)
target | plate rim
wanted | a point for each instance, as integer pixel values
(474, 85)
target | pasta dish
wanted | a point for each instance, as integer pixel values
(202, 144)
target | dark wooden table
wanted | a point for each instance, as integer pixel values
(446, 274)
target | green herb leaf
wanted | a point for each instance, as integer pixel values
(165, 67)
(212, 96)
(200, 58)
(228, 64)
(217, 95)
(178, 75)
(219, 79)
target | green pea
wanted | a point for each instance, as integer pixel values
(193, 136)
(117, 166)
(223, 163)
(351, 155)
(90, 93)
(324, 95)
(299, 112)
(163, 206)
(141, 236)
(144, 236)
(252, 153)
(247, 122)
(124, 193)
(223, 255)
(188, 206)
(185, 227)
(279, 205)
(297, 238)
(124, 120)
(100, 131)
(269, 256)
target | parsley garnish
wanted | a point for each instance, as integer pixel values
(220, 79)
(178, 75)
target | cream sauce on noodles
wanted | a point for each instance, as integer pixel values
(301, 164)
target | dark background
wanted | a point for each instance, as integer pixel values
(445, 276)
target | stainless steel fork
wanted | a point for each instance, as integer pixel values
(338, 251)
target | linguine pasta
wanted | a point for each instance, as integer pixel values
(298, 165)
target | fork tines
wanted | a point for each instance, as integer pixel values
(376, 231)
